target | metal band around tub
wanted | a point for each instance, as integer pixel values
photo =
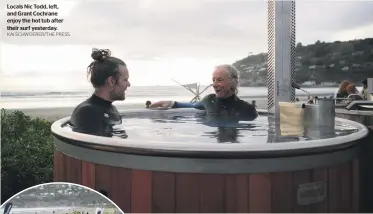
(203, 165)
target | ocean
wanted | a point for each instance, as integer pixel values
(134, 95)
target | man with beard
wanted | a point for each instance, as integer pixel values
(109, 77)
(225, 101)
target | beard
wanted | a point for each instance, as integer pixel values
(117, 96)
(223, 93)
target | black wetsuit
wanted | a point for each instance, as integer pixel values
(231, 106)
(96, 116)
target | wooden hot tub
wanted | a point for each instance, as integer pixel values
(308, 176)
(364, 117)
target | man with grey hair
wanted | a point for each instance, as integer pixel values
(225, 81)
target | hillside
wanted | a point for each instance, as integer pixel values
(323, 64)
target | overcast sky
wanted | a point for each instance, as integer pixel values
(164, 39)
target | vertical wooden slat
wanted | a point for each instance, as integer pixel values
(141, 191)
(334, 189)
(89, 174)
(260, 193)
(366, 174)
(346, 189)
(212, 191)
(73, 169)
(163, 191)
(237, 193)
(187, 193)
(320, 175)
(120, 188)
(103, 179)
(300, 177)
(282, 192)
(356, 186)
(59, 168)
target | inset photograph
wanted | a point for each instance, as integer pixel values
(59, 198)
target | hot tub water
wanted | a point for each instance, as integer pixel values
(199, 128)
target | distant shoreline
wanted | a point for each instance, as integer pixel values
(302, 86)
(84, 90)
(56, 113)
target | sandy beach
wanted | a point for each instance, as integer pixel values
(56, 113)
(53, 114)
